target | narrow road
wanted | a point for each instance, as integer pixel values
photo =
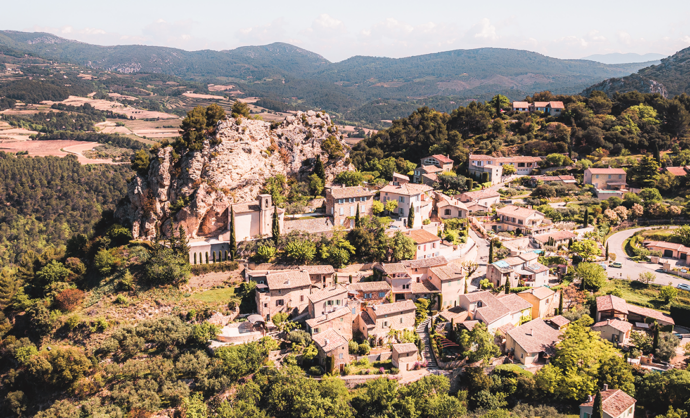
(631, 270)
(482, 261)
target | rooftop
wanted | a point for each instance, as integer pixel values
(404, 348)
(478, 195)
(535, 336)
(325, 269)
(422, 236)
(327, 294)
(559, 320)
(315, 322)
(540, 292)
(393, 308)
(557, 236)
(329, 340)
(449, 272)
(650, 313)
(610, 302)
(426, 262)
(408, 189)
(617, 324)
(381, 286)
(347, 192)
(442, 158)
(311, 225)
(391, 268)
(514, 302)
(677, 171)
(287, 280)
(511, 210)
(606, 170)
(613, 401)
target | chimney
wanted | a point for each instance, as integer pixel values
(608, 322)
(590, 398)
(325, 342)
(606, 387)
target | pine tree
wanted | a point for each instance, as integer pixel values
(357, 220)
(410, 218)
(233, 238)
(560, 303)
(276, 226)
(586, 217)
(319, 170)
(9, 287)
(598, 408)
(491, 251)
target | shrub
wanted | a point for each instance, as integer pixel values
(315, 371)
(363, 349)
(299, 337)
(199, 269)
(121, 300)
(69, 299)
(352, 347)
(104, 262)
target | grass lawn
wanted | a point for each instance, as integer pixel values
(639, 294)
(216, 295)
(358, 367)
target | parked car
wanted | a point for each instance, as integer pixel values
(616, 265)
(684, 286)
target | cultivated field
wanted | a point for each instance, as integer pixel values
(10, 133)
(115, 107)
(58, 148)
(167, 128)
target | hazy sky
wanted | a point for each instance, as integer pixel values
(338, 30)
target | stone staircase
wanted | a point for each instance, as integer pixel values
(432, 366)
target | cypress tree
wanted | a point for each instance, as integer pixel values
(507, 286)
(586, 218)
(467, 279)
(570, 242)
(233, 239)
(655, 342)
(276, 226)
(598, 408)
(491, 251)
(410, 218)
(607, 250)
(319, 170)
(357, 220)
(657, 155)
(560, 303)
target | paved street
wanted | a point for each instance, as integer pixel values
(631, 270)
(482, 259)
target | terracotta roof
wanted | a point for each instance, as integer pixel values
(393, 308)
(529, 256)
(318, 269)
(540, 292)
(650, 313)
(449, 272)
(511, 210)
(244, 207)
(556, 105)
(677, 171)
(458, 316)
(431, 168)
(511, 261)
(606, 170)
(315, 322)
(400, 176)
(541, 104)
(426, 262)
(453, 202)
(468, 324)
(535, 267)
(610, 302)
(617, 324)
(518, 159)
(381, 286)
(327, 294)
(514, 302)
(479, 157)
(614, 402)
(287, 280)
(442, 158)
(535, 336)
(422, 236)
(505, 328)
(408, 189)
(329, 340)
(492, 309)
(520, 105)
(478, 195)
(404, 348)
(557, 236)
(666, 245)
(559, 320)
(311, 225)
(391, 268)
(347, 192)
(423, 287)
(367, 320)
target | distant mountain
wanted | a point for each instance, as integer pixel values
(618, 58)
(669, 78)
(293, 75)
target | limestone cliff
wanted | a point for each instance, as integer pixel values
(232, 167)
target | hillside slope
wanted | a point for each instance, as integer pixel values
(670, 78)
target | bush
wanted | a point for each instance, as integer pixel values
(199, 269)
(299, 337)
(69, 299)
(395, 370)
(121, 300)
(363, 349)
(352, 347)
(315, 371)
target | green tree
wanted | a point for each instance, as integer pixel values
(194, 407)
(319, 170)
(166, 267)
(377, 207)
(391, 206)
(402, 247)
(647, 277)
(645, 171)
(333, 147)
(194, 128)
(499, 102)
(585, 220)
(357, 220)
(275, 227)
(276, 186)
(491, 252)
(233, 238)
(410, 217)
(598, 408)
(668, 293)
(316, 185)
(51, 273)
(141, 162)
(650, 195)
(593, 275)
(478, 344)
(301, 251)
(240, 109)
(587, 249)
(509, 170)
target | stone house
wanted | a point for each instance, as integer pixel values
(615, 404)
(669, 249)
(450, 280)
(331, 343)
(409, 195)
(522, 270)
(339, 319)
(614, 330)
(284, 291)
(342, 203)
(404, 356)
(376, 321)
(419, 269)
(548, 108)
(559, 322)
(431, 167)
(522, 220)
(544, 301)
(607, 182)
(370, 292)
(523, 164)
(555, 238)
(320, 276)
(532, 342)
(494, 312)
(449, 208)
(613, 307)
(485, 198)
(327, 300)
(403, 285)
(428, 244)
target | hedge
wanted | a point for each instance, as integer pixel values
(680, 314)
(198, 269)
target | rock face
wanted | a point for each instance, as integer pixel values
(633, 82)
(232, 167)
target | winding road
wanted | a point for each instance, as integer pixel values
(631, 270)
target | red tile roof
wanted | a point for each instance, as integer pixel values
(404, 348)
(320, 295)
(288, 280)
(442, 158)
(617, 324)
(478, 195)
(347, 192)
(606, 170)
(408, 189)
(511, 210)
(559, 320)
(540, 292)
(614, 402)
(650, 313)
(677, 171)
(557, 236)
(520, 105)
(514, 302)
(381, 286)
(422, 236)
(393, 308)
(610, 302)
(329, 340)
(450, 272)
(535, 336)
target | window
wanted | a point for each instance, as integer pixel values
(447, 212)
(265, 305)
(401, 199)
(385, 324)
(341, 356)
(352, 211)
(406, 286)
(342, 211)
(367, 295)
(382, 294)
(301, 298)
(401, 320)
(279, 302)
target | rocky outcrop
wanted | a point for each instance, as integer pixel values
(633, 82)
(232, 167)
